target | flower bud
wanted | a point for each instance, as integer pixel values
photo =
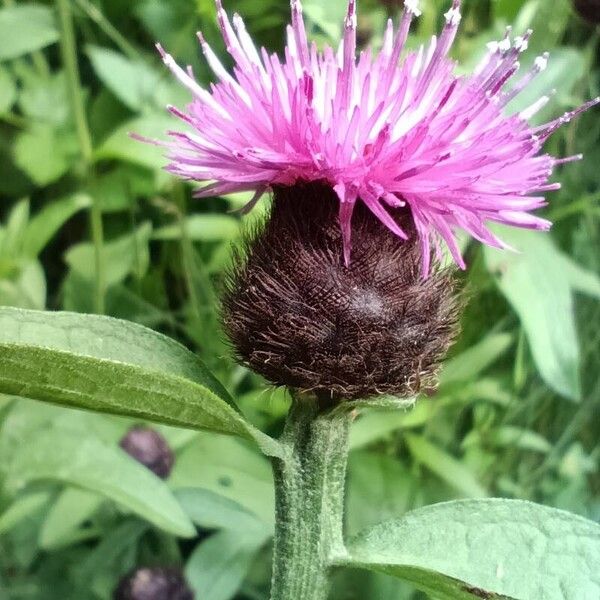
(156, 583)
(302, 318)
(150, 448)
(588, 10)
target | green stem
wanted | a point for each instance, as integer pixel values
(309, 501)
(69, 58)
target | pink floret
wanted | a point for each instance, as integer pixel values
(391, 130)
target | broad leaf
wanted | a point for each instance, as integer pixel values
(491, 549)
(98, 467)
(108, 365)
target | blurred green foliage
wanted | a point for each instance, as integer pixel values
(517, 412)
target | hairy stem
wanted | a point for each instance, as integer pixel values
(69, 57)
(309, 501)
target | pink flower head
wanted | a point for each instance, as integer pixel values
(386, 129)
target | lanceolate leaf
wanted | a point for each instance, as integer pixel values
(71, 509)
(22, 509)
(217, 567)
(490, 549)
(101, 468)
(445, 466)
(108, 365)
(539, 282)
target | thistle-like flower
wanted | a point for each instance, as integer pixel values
(387, 130)
(374, 163)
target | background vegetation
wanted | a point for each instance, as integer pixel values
(90, 223)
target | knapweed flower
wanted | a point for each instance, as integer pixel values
(374, 163)
(387, 130)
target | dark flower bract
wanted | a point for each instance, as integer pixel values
(302, 318)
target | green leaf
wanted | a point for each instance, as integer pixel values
(380, 487)
(229, 468)
(128, 254)
(210, 510)
(446, 467)
(44, 98)
(8, 90)
(507, 9)
(550, 22)
(133, 83)
(377, 424)
(201, 228)
(136, 83)
(114, 191)
(95, 466)
(539, 282)
(115, 554)
(44, 154)
(108, 365)
(218, 566)
(472, 362)
(121, 146)
(25, 28)
(565, 68)
(581, 280)
(27, 289)
(477, 549)
(16, 224)
(72, 508)
(46, 223)
(328, 16)
(517, 437)
(22, 509)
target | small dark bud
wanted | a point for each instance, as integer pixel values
(298, 316)
(588, 10)
(156, 583)
(150, 448)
